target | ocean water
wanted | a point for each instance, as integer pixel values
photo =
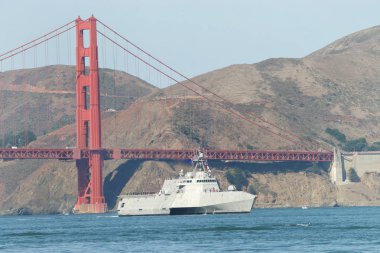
(353, 229)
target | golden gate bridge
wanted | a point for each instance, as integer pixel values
(89, 153)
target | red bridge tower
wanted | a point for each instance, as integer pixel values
(88, 120)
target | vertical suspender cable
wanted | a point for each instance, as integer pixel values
(68, 48)
(46, 53)
(26, 107)
(126, 63)
(57, 46)
(114, 93)
(14, 119)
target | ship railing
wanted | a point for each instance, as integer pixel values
(140, 193)
(216, 190)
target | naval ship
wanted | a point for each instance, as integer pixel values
(196, 192)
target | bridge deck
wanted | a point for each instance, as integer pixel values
(242, 155)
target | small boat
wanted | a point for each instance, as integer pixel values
(196, 192)
(305, 207)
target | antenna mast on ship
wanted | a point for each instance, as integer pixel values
(201, 162)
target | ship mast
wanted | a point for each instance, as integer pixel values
(200, 163)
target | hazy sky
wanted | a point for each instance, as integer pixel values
(197, 36)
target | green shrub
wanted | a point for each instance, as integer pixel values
(336, 134)
(353, 176)
(249, 147)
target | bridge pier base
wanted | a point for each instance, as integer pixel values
(90, 208)
(90, 185)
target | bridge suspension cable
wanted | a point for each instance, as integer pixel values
(37, 39)
(232, 112)
(263, 120)
(33, 43)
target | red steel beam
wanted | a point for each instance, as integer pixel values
(36, 153)
(250, 155)
(171, 154)
(242, 155)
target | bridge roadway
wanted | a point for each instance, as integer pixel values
(172, 154)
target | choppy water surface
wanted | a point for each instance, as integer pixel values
(355, 229)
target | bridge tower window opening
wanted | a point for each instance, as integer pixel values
(86, 38)
(86, 64)
(86, 97)
(87, 131)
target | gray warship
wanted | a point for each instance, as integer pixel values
(196, 192)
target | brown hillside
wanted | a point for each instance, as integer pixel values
(334, 87)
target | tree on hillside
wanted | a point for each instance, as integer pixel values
(252, 190)
(237, 177)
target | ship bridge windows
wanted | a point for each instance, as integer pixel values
(206, 181)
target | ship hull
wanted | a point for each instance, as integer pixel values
(145, 205)
(181, 204)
